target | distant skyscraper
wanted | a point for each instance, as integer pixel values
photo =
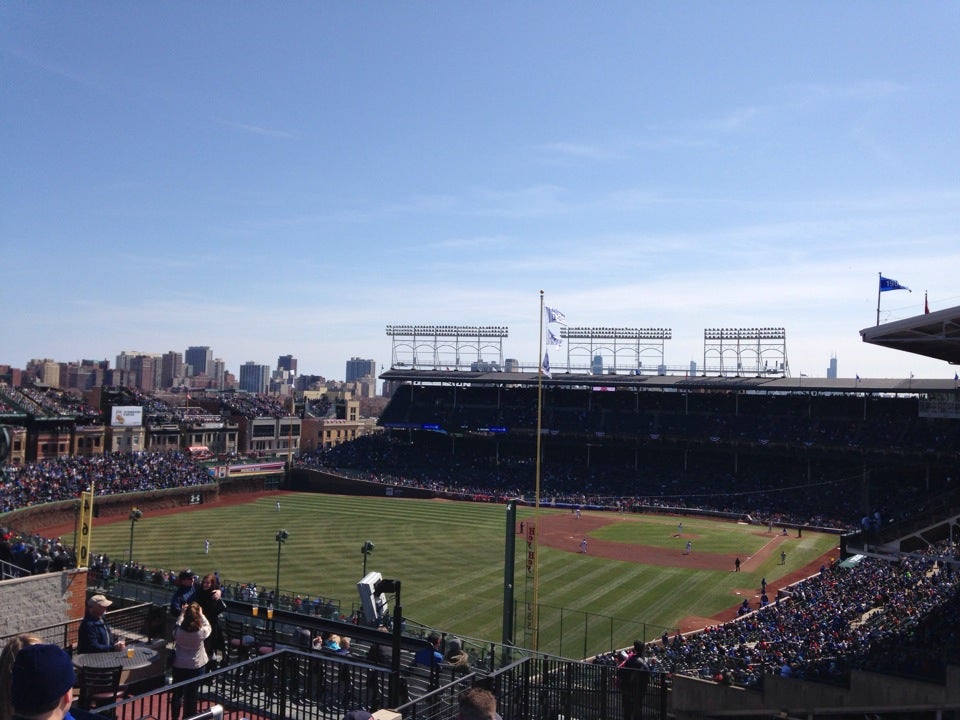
(218, 373)
(254, 378)
(288, 363)
(171, 369)
(359, 368)
(199, 358)
(832, 370)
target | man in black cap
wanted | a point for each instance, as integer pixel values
(41, 683)
(634, 676)
(185, 594)
(94, 634)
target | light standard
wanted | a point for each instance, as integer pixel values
(282, 536)
(366, 549)
(135, 514)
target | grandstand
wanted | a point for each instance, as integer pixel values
(878, 460)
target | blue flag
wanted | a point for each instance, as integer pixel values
(555, 316)
(891, 284)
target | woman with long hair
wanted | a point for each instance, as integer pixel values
(190, 658)
(211, 602)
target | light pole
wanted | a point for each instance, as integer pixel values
(282, 536)
(366, 549)
(135, 514)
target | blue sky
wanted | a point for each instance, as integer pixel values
(274, 178)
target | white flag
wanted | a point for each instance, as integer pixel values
(553, 340)
(545, 365)
(555, 316)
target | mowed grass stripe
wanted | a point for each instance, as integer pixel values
(449, 557)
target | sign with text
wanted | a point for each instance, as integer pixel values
(126, 416)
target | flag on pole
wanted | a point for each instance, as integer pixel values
(858, 378)
(545, 365)
(891, 284)
(553, 340)
(555, 316)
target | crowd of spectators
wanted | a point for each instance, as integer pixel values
(34, 554)
(766, 488)
(873, 616)
(801, 420)
(65, 478)
(256, 405)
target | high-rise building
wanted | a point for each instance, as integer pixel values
(199, 358)
(171, 369)
(218, 374)
(140, 369)
(254, 378)
(288, 363)
(359, 368)
(832, 369)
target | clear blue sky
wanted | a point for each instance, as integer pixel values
(274, 178)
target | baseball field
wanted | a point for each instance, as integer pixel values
(636, 576)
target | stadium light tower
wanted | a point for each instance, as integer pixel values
(282, 536)
(366, 549)
(135, 515)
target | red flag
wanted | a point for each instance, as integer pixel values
(926, 305)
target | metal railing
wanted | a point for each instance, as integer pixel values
(282, 684)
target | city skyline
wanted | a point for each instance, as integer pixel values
(292, 182)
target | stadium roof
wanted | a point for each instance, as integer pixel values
(676, 383)
(935, 335)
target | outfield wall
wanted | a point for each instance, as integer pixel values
(309, 480)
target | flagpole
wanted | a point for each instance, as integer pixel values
(879, 277)
(536, 506)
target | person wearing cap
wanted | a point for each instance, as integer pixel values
(7, 657)
(185, 593)
(41, 683)
(94, 634)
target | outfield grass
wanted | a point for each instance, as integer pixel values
(449, 558)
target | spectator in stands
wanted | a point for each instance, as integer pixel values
(431, 655)
(209, 597)
(478, 704)
(94, 634)
(41, 683)
(456, 658)
(190, 658)
(7, 657)
(185, 593)
(634, 676)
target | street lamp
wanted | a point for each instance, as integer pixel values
(135, 514)
(366, 549)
